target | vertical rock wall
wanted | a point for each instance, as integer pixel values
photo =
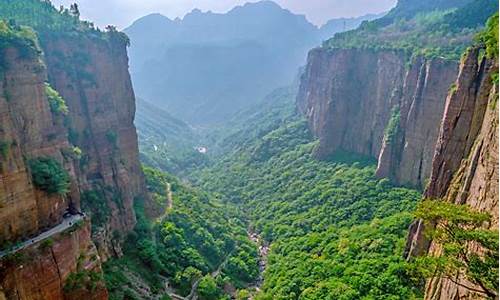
(92, 75)
(42, 271)
(28, 130)
(465, 164)
(350, 95)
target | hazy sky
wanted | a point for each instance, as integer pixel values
(123, 12)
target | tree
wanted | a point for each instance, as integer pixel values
(243, 295)
(74, 11)
(207, 289)
(458, 228)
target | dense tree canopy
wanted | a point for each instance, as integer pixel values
(335, 229)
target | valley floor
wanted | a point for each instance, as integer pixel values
(318, 227)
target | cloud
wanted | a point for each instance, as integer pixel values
(123, 12)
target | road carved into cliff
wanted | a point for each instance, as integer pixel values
(65, 224)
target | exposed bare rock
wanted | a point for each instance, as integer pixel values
(349, 96)
(27, 130)
(465, 164)
(407, 158)
(92, 75)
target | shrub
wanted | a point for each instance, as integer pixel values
(56, 102)
(4, 149)
(47, 243)
(94, 201)
(392, 127)
(207, 289)
(49, 175)
(489, 37)
(77, 152)
(82, 280)
(112, 137)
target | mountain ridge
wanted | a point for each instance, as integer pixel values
(187, 66)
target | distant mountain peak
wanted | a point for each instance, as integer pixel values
(188, 67)
(263, 3)
(152, 20)
(260, 6)
(196, 11)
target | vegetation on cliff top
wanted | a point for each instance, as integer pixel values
(439, 33)
(45, 19)
(489, 37)
(42, 15)
(20, 37)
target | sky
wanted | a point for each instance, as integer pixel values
(122, 13)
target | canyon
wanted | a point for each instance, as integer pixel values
(419, 124)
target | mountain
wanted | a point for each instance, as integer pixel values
(392, 61)
(205, 67)
(344, 24)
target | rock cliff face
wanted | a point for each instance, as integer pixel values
(90, 71)
(372, 103)
(27, 130)
(465, 164)
(92, 75)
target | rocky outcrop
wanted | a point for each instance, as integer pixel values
(377, 104)
(465, 164)
(65, 267)
(407, 151)
(92, 75)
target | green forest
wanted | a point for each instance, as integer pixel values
(195, 235)
(331, 224)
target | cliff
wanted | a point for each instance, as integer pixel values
(27, 130)
(92, 75)
(30, 128)
(67, 145)
(372, 102)
(465, 163)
